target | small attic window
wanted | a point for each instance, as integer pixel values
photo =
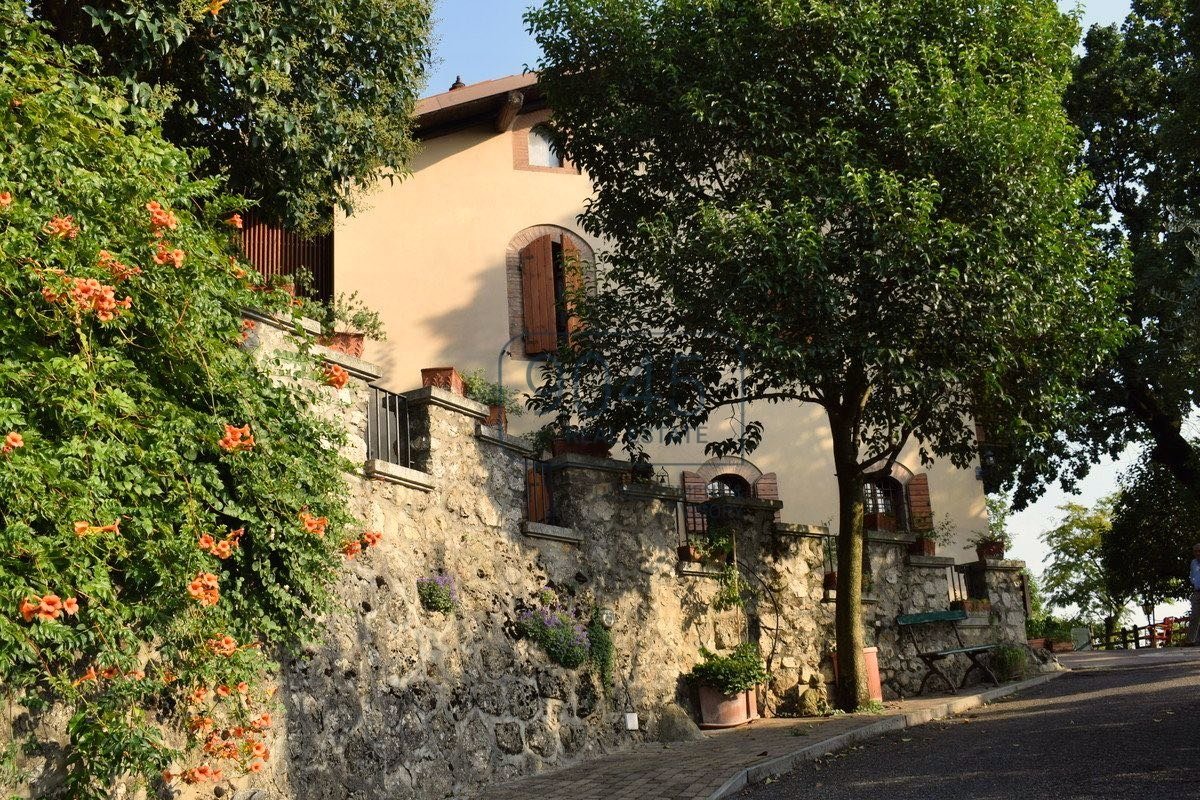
(542, 152)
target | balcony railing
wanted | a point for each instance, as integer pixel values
(389, 435)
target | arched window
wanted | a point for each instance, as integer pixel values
(542, 152)
(883, 505)
(728, 485)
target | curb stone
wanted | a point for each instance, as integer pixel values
(757, 773)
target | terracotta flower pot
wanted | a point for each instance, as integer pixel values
(879, 522)
(497, 417)
(923, 547)
(719, 710)
(443, 378)
(987, 550)
(345, 342)
(689, 553)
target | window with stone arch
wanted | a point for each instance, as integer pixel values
(544, 264)
(730, 476)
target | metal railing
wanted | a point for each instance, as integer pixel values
(539, 493)
(389, 436)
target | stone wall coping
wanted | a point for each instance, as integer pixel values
(433, 396)
(555, 533)
(992, 565)
(578, 461)
(941, 562)
(394, 473)
(287, 323)
(891, 537)
(747, 503)
(357, 367)
(802, 529)
(652, 491)
(500, 439)
(689, 569)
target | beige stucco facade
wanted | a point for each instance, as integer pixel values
(432, 254)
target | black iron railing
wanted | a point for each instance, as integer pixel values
(389, 436)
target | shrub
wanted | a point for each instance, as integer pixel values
(600, 646)
(1008, 662)
(477, 387)
(170, 510)
(438, 593)
(741, 670)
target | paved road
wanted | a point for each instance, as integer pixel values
(1127, 732)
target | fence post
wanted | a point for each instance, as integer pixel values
(1124, 637)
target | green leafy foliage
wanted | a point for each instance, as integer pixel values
(741, 670)
(601, 649)
(299, 102)
(480, 389)
(1147, 553)
(733, 590)
(170, 511)
(872, 206)
(1075, 574)
(556, 628)
(1008, 662)
(1136, 97)
(437, 594)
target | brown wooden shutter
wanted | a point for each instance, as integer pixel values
(695, 492)
(573, 277)
(920, 512)
(767, 488)
(537, 496)
(537, 296)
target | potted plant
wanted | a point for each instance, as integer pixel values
(989, 544)
(930, 535)
(726, 686)
(346, 322)
(500, 400)
(690, 553)
(720, 542)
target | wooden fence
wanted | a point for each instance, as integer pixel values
(274, 251)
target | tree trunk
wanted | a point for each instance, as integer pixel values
(1171, 448)
(852, 689)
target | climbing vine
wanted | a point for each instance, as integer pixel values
(169, 514)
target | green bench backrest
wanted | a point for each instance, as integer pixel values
(930, 616)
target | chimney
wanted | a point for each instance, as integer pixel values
(458, 84)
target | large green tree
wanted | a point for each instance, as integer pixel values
(1156, 521)
(1075, 574)
(1136, 96)
(870, 206)
(299, 102)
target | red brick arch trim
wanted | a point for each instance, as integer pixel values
(512, 266)
(729, 465)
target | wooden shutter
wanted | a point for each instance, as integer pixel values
(920, 512)
(573, 277)
(537, 496)
(537, 296)
(767, 488)
(695, 492)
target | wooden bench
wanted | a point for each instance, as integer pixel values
(911, 622)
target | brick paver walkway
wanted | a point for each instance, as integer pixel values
(695, 770)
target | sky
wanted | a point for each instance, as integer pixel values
(483, 39)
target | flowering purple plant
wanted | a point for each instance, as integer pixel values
(438, 593)
(556, 629)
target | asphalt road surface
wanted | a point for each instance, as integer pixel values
(1129, 729)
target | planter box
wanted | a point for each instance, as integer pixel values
(1037, 644)
(986, 550)
(580, 447)
(344, 342)
(726, 710)
(443, 378)
(497, 417)
(879, 522)
(923, 547)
